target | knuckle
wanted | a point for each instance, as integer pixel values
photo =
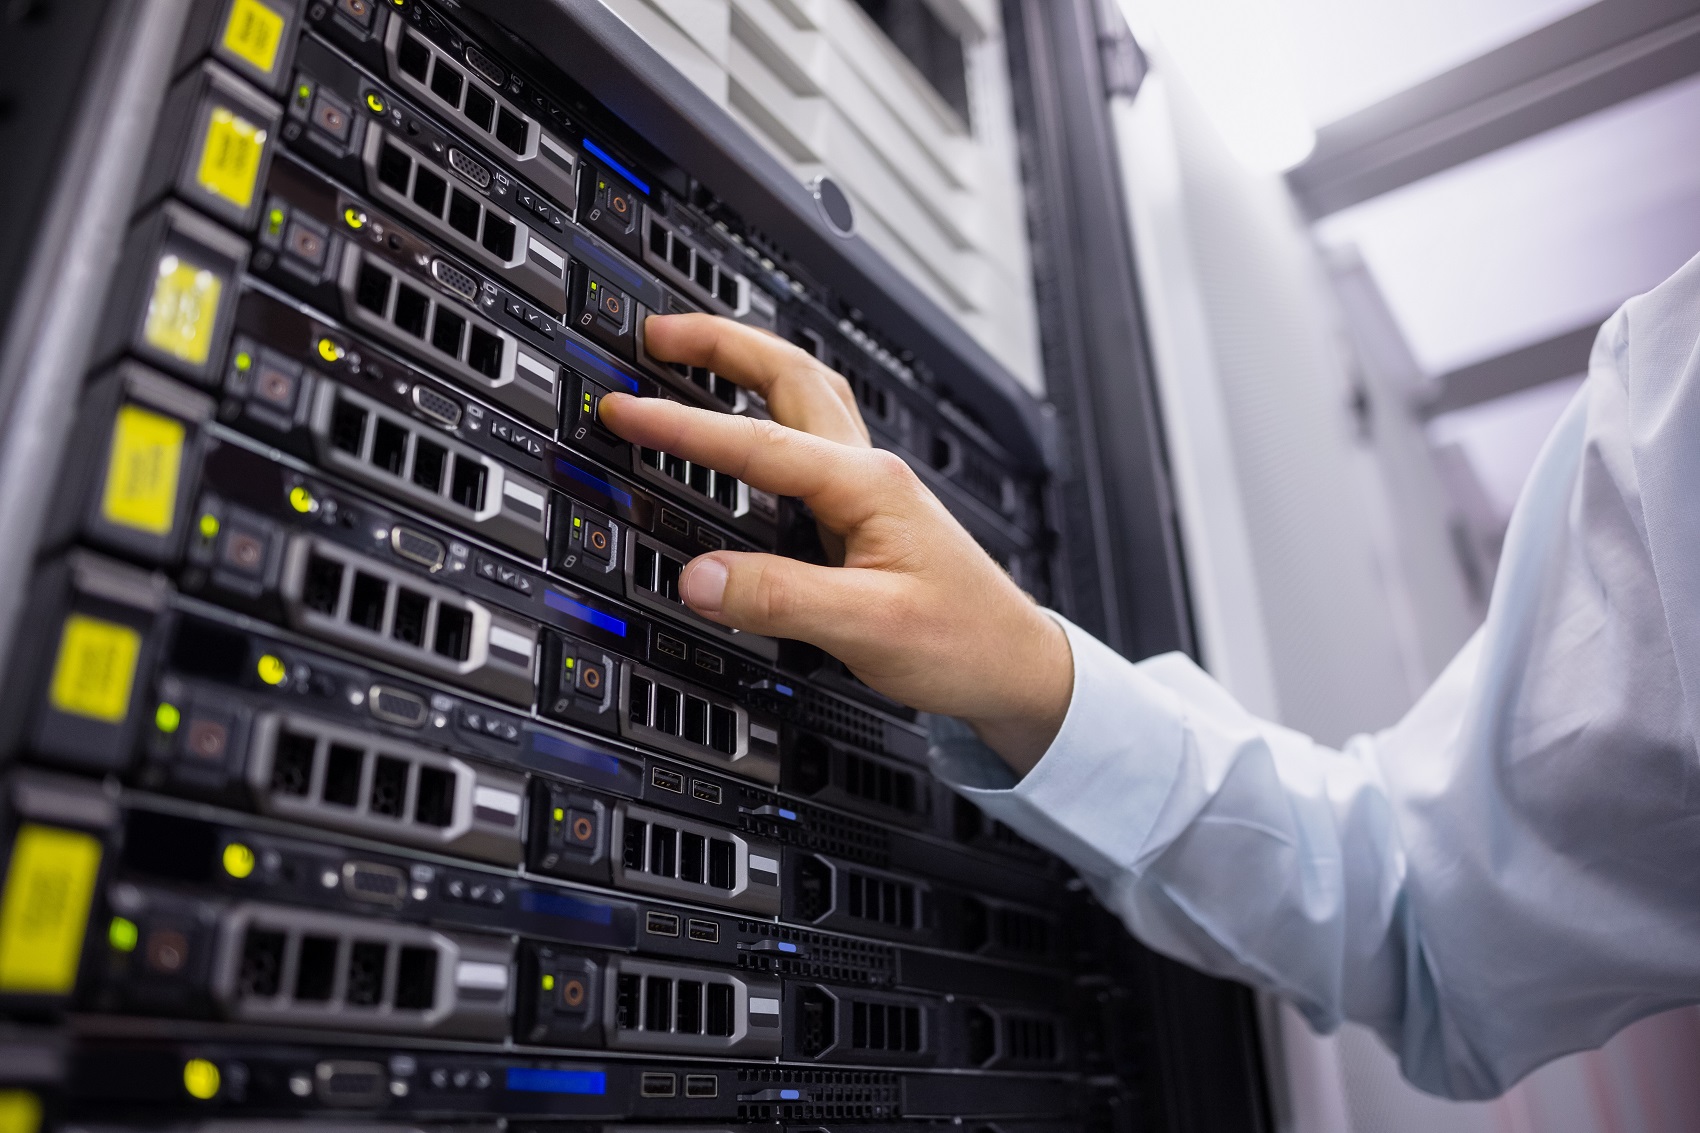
(891, 471)
(774, 597)
(767, 433)
(835, 381)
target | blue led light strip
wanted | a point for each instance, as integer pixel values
(558, 748)
(572, 908)
(576, 609)
(527, 1080)
(607, 159)
(624, 499)
(599, 365)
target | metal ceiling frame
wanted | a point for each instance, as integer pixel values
(1563, 355)
(1604, 54)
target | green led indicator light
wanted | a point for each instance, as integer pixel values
(303, 92)
(122, 934)
(244, 361)
(209, 526)
(166, 718)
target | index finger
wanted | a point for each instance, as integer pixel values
(832, 478)
(800, 390)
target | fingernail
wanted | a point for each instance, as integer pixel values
(704, 585)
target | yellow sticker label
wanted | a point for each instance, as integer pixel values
(141, 471)
(230, 160)
(182, 310)
(252, 34)
(46, 908)
(95, 667)
(20, 1112)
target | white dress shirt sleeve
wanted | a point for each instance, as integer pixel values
(1509, 873)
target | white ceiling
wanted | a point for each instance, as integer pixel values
(1540, 237)
(1515, 247)
(1351, 53)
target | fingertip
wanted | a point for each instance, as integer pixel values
(703, 584)
(660, 332)
(611, 405)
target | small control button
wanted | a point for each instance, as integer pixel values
(244, 551)
(622, 204)
(598, 541)
(305, 244)
(276, 387)
(579, 827)
(592, 678)
(332, 119)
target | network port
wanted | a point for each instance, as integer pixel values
(331, 592)
(678, 857)
(686, 720)
(449, 337)
(674, 1008)
(368, 442)
(306, 968)
(429, 194)
(325, 775)
(481, 108)
(726, 493)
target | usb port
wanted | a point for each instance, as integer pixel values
(667, 780)
(706, 931)
(705, 792)
(671, 646)
(713, 662)
(659, 1085)
(662, 924)
(702, 1086)
(676, 522)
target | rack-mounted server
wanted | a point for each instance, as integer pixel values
(359, 762)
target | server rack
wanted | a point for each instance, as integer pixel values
(361, 766)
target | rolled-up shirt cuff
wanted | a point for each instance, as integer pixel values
(1096, 794)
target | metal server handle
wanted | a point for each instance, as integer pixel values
(51, 334)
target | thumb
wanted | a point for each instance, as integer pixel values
(780, 597)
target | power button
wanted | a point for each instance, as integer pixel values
(598, 541)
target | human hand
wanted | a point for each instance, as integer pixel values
(917, 610)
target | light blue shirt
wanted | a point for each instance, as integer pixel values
(1509, 873)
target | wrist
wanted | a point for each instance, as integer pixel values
(1032, 702)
